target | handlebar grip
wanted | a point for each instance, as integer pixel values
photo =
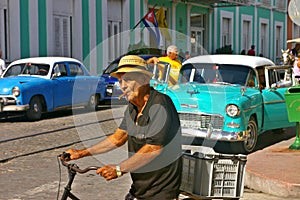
(65, 156)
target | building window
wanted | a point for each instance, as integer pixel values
(198, 34)
(114, 39)
(278, 40)
(226, 31)
(62, 35)
(4, 33)
(296, 32)
(246, 40)
(264, 33)
(114, 28)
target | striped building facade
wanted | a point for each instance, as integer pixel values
(98, 31)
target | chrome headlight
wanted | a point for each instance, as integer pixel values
(232, 110)
(16, 91)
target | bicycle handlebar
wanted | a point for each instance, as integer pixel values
(74, 167)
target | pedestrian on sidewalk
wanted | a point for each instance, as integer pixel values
(152, 129)
(251, 51)
(2, 64)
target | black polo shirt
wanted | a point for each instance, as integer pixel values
(158, 125)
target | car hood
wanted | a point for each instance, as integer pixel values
(109, 79)
(7, 83)
(204, 97)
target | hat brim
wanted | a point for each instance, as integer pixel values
(123, 70)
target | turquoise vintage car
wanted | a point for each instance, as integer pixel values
(45, 84)
(231, 98)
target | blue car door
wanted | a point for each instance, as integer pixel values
(84, 85)
(275, 112)
(63, 90)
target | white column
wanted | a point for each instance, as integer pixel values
(104, 44)
(50, 31)
(238, 38)
(34, 28)
(174, 22)
(188, 32)
(215, 35)
(77, 30)
(2, 38)
(93, 39)
(137, 15)
(126, 29)
(14, 29)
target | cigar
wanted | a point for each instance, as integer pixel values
(122, 95)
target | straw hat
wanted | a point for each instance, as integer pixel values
(131, 63)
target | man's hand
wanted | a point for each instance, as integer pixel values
(153, 60)
(75, 154)
(108, 172)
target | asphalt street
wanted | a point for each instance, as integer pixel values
(29, 168)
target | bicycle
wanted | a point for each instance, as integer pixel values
(73, 169)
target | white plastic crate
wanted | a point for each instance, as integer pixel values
(209, 175)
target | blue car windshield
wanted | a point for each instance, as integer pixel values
(27, 69)
(215, 73)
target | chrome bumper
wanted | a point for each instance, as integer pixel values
(12, 108)
(215, 135)
(8, 103)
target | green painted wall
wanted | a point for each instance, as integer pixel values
(181, 27)
(132, 21)
(42, 20)
(99, 36)
(24, 29)
(85, 33)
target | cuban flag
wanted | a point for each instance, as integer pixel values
(151, 23)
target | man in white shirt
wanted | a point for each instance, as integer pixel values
(2, 64)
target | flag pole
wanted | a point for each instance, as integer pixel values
(143, 17)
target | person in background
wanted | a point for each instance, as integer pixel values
(152, 131)
(172, 58)
(296, 50)
(181, 56)
(251, 51)
(2, 64)
(296, 68)
(243, 52)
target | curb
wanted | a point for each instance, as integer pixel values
(271, 186)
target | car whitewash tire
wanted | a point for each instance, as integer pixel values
(93, 103)
(35, 109)
(251, 141)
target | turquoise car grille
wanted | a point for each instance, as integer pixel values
(201, 121)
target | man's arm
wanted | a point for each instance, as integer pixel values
(117, 139)
(145, 155)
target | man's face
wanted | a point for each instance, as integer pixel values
(173, 55)
(130, 84)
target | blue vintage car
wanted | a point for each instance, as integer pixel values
(45, 84)
(231, 98)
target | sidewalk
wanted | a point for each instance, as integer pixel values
(274, 170)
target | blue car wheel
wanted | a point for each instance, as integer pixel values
(35, 109)
(93, 102)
